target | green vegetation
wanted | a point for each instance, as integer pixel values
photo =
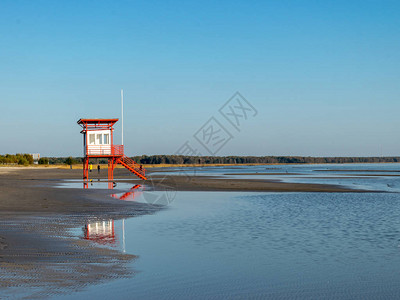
(20, 159)
(63, 160)
(179, 159)
(26, 159)
(70, 161)
(43, 161)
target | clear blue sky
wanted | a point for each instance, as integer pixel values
(323, 75)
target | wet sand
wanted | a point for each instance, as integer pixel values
(37, 255)
(30, 190)
(248, 185)
(39, 258)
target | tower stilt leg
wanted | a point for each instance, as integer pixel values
(111, 166)
(85, 172)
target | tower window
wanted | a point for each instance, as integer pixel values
(91, 139)
(106, 138)
(99, 139)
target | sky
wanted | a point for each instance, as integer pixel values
(322, 76)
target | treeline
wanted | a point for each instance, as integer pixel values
(67, 160)
(26, 159)
(71, 160)
(16, 159)
(179, 159)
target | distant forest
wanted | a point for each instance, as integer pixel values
(26, 159)
(17, 159)
(183, 160)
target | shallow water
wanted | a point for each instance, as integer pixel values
(224, 245)
(95, 184)
(227, 245)
(373, 177)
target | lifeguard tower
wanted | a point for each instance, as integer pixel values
(98, 143)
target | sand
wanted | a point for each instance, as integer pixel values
(40, 259)
(38, 256)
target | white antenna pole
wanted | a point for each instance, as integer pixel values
(122, 115)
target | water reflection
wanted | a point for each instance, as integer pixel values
(105, 233)
(130, 195)
(102, 232)
(100, 184)
(110, 184)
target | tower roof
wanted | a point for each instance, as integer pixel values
(97, 123)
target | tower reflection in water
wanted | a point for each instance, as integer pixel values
(130, 195)
(103, 232)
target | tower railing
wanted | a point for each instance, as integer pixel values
(105, 150)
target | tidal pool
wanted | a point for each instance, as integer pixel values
(224, 245)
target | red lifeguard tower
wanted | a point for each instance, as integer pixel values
(98, 143)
